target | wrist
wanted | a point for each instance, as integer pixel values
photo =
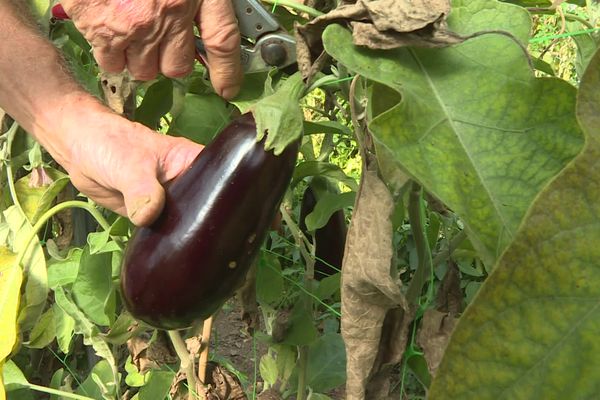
(61, 124)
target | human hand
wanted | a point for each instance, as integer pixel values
(152, 36)
(119, 164)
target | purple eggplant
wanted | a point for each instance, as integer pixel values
(329, 240)
(216, 216)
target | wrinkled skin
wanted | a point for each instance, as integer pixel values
(117, 163)
(122, 165)
(152, 36)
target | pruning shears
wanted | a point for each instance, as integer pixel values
(265, 43)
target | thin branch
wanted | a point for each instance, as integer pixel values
(417, 224)
(204, 345)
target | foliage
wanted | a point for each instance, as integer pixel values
(467, 174)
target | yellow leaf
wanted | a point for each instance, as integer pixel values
(2, 393)
(10, 285)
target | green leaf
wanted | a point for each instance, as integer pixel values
(327, 363)
(33, 300)
(158, 385)
(586, 46)
(328, 286)
(44, 332)
(324, 169)
(64, 272)
(120, 331)
(302, 330)
(156, 103)
(251, 91)
(36, 200)
(269, 281)
(56, 382)
(316, 127)
(268, 369)
(64, 328)
(201, 118)
(134, 378)
(84, 326)
(99, 384)
(327, 204)
(317, 396)
(13, 377)
(279, 115)
(97, 241)
(93, 287)
(10, 286)
(474, 126)
(286, 361)
(532, 330)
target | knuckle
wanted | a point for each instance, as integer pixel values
(177, 5)
(177, 71)
(223, 41)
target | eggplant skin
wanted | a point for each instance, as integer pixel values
(329, 240)
(191, 260)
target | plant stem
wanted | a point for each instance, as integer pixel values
(417, 224)
(60, 393)
(186, 363)
(53, 211)
(10, 134)
(302, 367)
(204, 344)
(295, 6)
(306, 248)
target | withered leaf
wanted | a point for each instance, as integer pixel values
(434, 333)
(368, 289)
(119, 92)
(379, 24)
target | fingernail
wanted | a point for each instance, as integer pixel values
(229, 93)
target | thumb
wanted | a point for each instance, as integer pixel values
(144, 199)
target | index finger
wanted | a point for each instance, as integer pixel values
(221, 37)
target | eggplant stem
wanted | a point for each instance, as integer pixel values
(186, 365)
(204, 345)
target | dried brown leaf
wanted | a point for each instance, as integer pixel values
(222, 384)
(450, 297)
(247, 298)
(368, 289)
(434, 333)
(119, 92)
(379, 24)
(146, 355)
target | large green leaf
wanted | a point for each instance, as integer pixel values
(474, 125)
(157, 101)
(327, 363)
(93, 287)
(532, 331)
(91, 333)
(201, 118)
